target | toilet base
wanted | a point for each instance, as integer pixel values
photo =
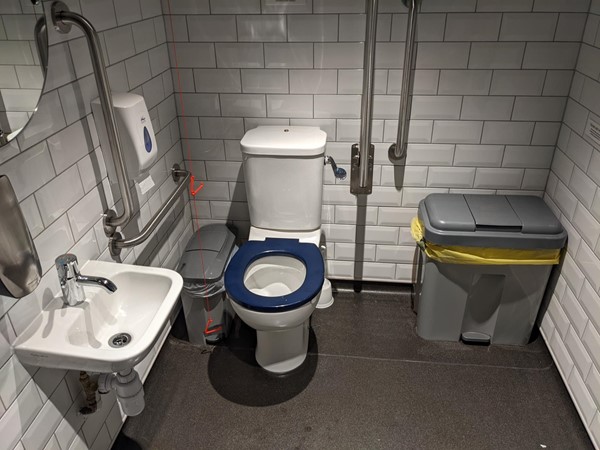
(283, 350)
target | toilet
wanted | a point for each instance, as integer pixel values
(275, 280)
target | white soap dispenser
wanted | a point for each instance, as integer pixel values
(136, 135)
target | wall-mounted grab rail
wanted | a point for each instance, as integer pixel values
(63, 18)
(361, 172)
(397, 150)
(117, 242)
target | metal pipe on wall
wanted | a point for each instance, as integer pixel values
(397, 151)
(361, 179)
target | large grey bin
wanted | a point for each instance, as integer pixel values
(205, 304)
(479, 302)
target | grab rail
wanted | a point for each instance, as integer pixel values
(397, 150)
(117, 242)
(63, 18)
(361, 171)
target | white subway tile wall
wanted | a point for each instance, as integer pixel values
(491, 88)
(571, 324)
(59, 175)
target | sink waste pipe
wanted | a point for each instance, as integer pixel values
(128, 387)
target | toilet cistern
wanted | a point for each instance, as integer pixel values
(71, 280)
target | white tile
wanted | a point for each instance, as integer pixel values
(19, 415)
(296, 106)
(127, 12)
(48, 118)
(498, 178)
(528, 156)
(430, 27)
(268, 81)
(562, 166)
(576, 115)
(546, 109)
(505, 5)
(561, 5)
(32, 216)
(350, 252)
(56, 197)
(29, 170)
(270, 7)
(396, 254)
(425, 82)
(578, 353)
(243, 105)
(350, 82)
(559, 318)
(377, 235)
(85, 213)
(13, 378)
(119, 43)
(517, 82)
(457, 177)
(338, 106)
(430, 154)
(535, 179)
(550, 55)
(224, 171)
(138, 69)
(582, 397)
(199, 104)
(69, 145)
(545, 133)
(564, 361)
(98, 14)
(593, 384)
(352, 27)
(442, 55)
(591, 340)
(348, 130)
(528, 27)
(213, 28)
(292, 55)
(579, 151)
(246, 55)
(313, 81)
(479, 155)
(583, 187)
(229, 210)
(565, 200)
(486, 108)
(589, 264)
(590, 301)
(472, 27)
(412, 196)
(42, 427)
(261, 28)
(234, 6)
(387, 106)
(351, 215)
(517, 133)
(53, 241)
(221, 127)
(338, 55)
(339, 6)
(436, 107)
(574, 311)
(460, 132)
(191, 6)
(312, 28)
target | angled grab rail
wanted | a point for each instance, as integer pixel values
(397, 151)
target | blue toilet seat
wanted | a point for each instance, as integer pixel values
(308, 254)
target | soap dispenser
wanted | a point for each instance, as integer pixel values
(136, 135)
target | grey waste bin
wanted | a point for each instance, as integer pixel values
(205, 305)
(482, 302)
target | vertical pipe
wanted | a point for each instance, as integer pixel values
(366, 108)
(398, 150)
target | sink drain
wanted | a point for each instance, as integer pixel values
(119, 340)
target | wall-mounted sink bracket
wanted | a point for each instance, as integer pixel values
(355, 187)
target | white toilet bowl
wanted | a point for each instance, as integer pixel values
(274, 286)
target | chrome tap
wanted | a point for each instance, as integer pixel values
(71, 280)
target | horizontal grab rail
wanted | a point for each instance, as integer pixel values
(117, 242)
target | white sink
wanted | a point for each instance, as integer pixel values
(78, 337)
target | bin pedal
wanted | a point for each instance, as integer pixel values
(475, 337)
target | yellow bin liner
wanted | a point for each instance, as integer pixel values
(481, 255)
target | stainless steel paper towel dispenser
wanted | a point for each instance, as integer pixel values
(20, 270)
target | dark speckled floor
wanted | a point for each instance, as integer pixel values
(369, 382)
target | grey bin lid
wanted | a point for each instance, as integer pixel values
(217, 243)
(500, 221)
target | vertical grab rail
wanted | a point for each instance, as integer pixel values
(62, 19)
(361, 173)
(397, 151)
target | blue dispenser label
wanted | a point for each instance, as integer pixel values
(147, 140)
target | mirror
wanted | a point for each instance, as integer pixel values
(22, 75)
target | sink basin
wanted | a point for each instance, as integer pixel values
(107, 332)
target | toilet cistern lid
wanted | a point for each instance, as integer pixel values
(284, 141)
